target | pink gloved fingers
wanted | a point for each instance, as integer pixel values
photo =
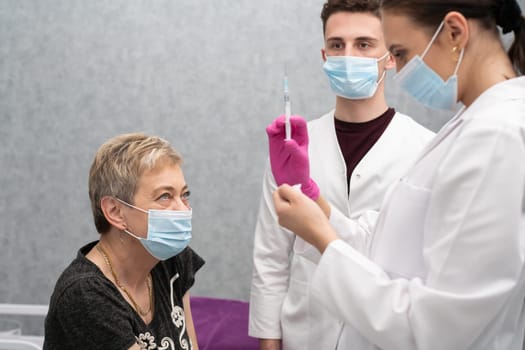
(289, 158)
(292, 147)
(298, 124)
(311, 189)
(276, 127)
(299, 130)
(288, 162)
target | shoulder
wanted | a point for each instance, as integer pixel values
(495, 122)
(79, 271)
(405, 121)
(321, 125)
(86, 311)
(82, 297)
(81, 281)
(500, 107)
(322, 120)
(81, 277)
(406, 127)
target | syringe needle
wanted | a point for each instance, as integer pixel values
(287, 107)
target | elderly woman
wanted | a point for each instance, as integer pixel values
(130, 289)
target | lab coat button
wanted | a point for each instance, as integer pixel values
(358, 176)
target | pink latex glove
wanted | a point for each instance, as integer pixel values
(289, 158)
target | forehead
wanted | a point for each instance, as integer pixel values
(399, 30)
(349, 25)
(164, 174)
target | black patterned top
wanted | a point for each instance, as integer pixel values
(87, 311)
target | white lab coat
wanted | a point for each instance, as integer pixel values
(449, 244)
(280, 306)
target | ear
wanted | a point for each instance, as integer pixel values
(390, 62)
(457, 31)
(323, 54)
(112, 210)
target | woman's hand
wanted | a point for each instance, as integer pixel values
(304, 217)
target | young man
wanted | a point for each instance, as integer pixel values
(356, 151)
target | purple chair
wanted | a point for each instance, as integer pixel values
(222, 324)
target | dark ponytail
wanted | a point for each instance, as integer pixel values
(517, 49)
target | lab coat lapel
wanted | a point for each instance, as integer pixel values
(449, 127)
(324, 150)
(510, 90)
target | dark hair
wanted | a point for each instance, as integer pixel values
(503, 13)
(332, 6)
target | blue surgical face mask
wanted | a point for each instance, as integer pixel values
(354, 78)
(169, 231)
(425, 85)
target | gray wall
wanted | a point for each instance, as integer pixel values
(206, 75)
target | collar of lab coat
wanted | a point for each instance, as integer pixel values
(512, 89)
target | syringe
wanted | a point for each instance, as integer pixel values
(287, 108)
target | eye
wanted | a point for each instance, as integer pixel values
(336, 45)
(165, 196)
(400, 58)
(363, 45)
(186, 197)
(396, 53)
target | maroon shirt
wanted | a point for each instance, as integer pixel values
(356, 139)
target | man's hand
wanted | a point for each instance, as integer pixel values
(289, 158)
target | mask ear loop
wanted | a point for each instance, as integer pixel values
(384, 70)
(383, 57)
(131, 205)
(134, 207)
(382, 77)
(433, 39)
(134, 236)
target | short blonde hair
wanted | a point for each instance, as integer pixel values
(118, 165)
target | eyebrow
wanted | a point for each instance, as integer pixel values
(338, 38)
(334, 39)
(366, 38)
(168, 188)
(393, 47)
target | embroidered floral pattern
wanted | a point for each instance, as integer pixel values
(177, 316)
(146, 341)
(166, 344)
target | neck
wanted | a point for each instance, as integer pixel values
(130, 261)
(360, 111)
(478, 73)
